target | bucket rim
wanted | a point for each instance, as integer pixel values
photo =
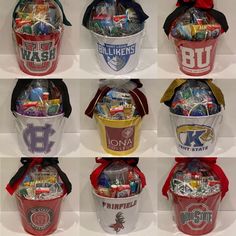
(31, 200)
(186, 197)
(196, 117)
(39, 117)
(196, 42)
(118, 199)
(122, 37)
(110, 120)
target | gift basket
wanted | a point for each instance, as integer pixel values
(117, 185)
(195, 28)
(119, 107)
(118, 28)
(196, 113)
(39, 186)
(196, 187)
(37, 31)
(40, 107)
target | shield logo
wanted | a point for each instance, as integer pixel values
(195, 135)
(38, 56)
(197, 216)
(116, 56)
(40, 218)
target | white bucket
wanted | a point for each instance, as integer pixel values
(118, 55)
(117, 215)
(40, 136)
(196, 136)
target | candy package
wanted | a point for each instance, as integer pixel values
(195, 25)
(195, 21)
(40, 98)
(196, 187)
(114, 18)
(194, 179)
(194, 97)
(38, 17)
(39, 186)
(118, 180)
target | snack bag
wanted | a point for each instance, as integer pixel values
(195, 27)
(119, 107)
(39, 186)
(196, 187)
(196, 113)
(117, 185)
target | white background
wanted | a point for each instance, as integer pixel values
(77, 39)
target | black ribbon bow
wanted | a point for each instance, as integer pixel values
(142, 16)
(183, 6)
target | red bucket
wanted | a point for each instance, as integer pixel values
(196, 58)
(38, 55)
(196, 216)
(39, 217)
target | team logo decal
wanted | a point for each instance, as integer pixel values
(38, 56)
(197, 216)
(116, 56)
(119, 225)
(195, 137)
(40, 218)
(37, 138)
(120, 139)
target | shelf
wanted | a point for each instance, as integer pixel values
(68, 67)
(225, 148)
(9, 146)
(10, 224)
(147, 67)
(146, 225)
(151, 66)
(74, 223)
(226, 224)
(224, 67)
(87, 144)
(90, 145)
(151, 146)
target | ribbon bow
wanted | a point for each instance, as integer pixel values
(138, 97)
(65, 21)
(29, 163)
(184, 5)
(105, 162)
(211, 162)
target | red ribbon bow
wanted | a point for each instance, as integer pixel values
(211, 162)
(203, 4)
(106, 162)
